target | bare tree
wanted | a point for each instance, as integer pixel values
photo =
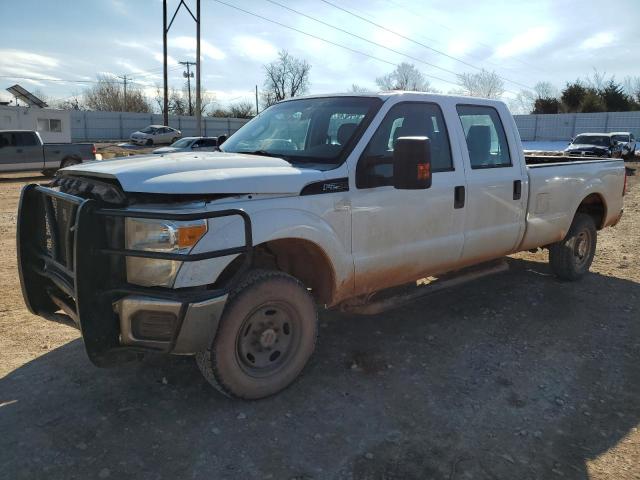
(482, 84)
(405, 77)
(107, 94)
(285, 77)
(358, 89)
(632, 87)
(244, 109)
(525, 100)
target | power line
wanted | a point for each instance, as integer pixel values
(440, 52)
(413, 12)
(359, 52)
(363, 38)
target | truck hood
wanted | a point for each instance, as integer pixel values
(200, 173)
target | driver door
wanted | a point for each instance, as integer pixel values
(399, 236)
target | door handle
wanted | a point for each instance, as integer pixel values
(517, 189)
(458, 196)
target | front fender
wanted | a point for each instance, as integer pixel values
(272, 224)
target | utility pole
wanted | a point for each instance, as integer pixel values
(257, 109)
(165, 108)
(188, 75)
(124, 80)
(198, 70)
(165, 30)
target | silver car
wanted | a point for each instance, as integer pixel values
(155, 134)
(191, 144)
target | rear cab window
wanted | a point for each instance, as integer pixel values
(486, 139)
(406, 119)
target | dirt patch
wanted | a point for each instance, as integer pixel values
(514, 376)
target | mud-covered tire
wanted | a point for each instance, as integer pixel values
(571, 258)
(268, 312)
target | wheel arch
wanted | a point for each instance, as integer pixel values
(301, 258)
(595, 206)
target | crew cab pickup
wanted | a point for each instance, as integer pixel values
(319, 201)
(23, 150)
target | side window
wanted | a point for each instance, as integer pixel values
(375, 167)
(209, 142)
(55, 125)
(486, 140)
(7, 139)
(26, 139)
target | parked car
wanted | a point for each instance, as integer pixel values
(154, 135)
(627, 142)
(594, 145)
(190, 144)
(23, 150)
(319, 201)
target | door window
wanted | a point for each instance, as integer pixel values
(486, 140)
(375, 167)
(7, 139)
(26, 139)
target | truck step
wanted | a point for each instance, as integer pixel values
(397, 297)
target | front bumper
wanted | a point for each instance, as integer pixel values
(71, 258)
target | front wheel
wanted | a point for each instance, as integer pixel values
(266, 335)
(149, 142)
(571, 258)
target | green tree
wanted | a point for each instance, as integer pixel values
(614, 97)
(546, 105)
(573, 95)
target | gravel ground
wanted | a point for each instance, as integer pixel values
(518, 376)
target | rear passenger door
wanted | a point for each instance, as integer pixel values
(495, 197)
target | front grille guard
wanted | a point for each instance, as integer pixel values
(65, 261)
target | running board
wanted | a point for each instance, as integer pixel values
(423, 287)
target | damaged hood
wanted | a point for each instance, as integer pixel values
(200, 173)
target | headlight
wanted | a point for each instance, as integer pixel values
(159, 236)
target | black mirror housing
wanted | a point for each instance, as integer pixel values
(412, 163)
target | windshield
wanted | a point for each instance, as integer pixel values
(148, 130)
(182, 143)
(620, 138)
(312, 130)
(598, 140)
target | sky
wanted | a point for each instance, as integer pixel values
(523, 41)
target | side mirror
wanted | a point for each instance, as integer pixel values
(412, 163)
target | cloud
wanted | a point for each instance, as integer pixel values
(255, 48)
(23, 58)
(188, 44)
(599, 40)
(524, 42)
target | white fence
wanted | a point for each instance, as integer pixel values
(564, 126)
(96, 126)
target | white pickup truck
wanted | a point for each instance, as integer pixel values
(319, 201)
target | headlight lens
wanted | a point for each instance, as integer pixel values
(159, 236)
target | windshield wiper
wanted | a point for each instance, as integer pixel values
(257, 152)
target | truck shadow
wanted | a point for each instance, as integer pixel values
(514, 376)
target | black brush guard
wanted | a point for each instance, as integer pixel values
(67, 261)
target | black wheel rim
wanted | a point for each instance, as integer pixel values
(267, 339)
(582, 249)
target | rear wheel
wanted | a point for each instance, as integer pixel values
(267, 334)
(571, 258)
